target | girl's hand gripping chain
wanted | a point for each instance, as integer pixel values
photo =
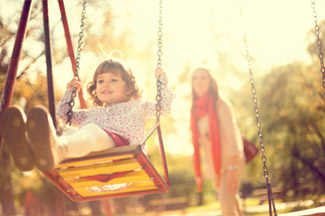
(159, 71)
(74, 83)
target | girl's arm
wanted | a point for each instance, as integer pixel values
(63, 107)
(167, 96)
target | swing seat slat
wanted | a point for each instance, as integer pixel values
(132, 188)
(136, 176)
(133, 175)
(97, 169)
(76, 163)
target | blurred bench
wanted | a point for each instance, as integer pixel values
(262, 195)
(164, 204)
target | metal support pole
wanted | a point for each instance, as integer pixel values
(163, 155)
(50, 91)
(48, 55)
(8, 89)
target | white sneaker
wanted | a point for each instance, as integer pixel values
(42, 134)
(12, 127)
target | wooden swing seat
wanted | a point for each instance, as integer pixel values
(133, 175)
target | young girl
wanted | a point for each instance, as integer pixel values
(215, 131)
(116, 119)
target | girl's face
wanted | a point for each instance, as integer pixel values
(200, 82)
(111, 88)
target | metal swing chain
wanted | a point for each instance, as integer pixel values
(319, 43)
(79, 49)
(159, 62)
(257, 113)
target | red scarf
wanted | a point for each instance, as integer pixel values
(201, 107)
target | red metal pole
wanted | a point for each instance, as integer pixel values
(8, 89)
(67, 34)
(70, 48)
(163, 156)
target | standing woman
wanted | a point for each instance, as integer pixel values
(216, 135)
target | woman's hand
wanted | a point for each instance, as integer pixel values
(159, 71)
(232, 181)
(74, 83)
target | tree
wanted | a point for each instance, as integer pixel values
(292, 116)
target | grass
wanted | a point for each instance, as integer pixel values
(210, 206)
(250, 206)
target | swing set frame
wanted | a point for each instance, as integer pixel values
(134, 152)
(154, 183)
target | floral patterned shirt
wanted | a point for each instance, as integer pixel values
(126, 118)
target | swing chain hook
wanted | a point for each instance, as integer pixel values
(77, 67)
(159, 62)
(319, 44)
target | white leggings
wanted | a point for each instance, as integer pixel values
(88, 139)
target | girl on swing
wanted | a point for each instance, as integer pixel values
(116, 119)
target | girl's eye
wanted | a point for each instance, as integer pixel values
(100, 81)
(114, 80)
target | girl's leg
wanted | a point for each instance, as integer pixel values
(12, 127)
(88, 139)
(69, 130)
(49, 150)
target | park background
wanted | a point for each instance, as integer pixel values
(286, 66)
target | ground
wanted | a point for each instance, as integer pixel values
(251, 208)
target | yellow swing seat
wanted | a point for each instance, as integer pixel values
(133, 174)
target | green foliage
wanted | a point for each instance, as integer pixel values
(291, 105)
(181, 177)
(312, 48)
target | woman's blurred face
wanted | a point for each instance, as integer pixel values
(200, 82)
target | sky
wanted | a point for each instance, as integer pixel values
(276, 31)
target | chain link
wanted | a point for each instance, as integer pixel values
(256, 109)
(79, 49)
(253, 90)
(319, 44)
(159, 62)
(159, 52)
